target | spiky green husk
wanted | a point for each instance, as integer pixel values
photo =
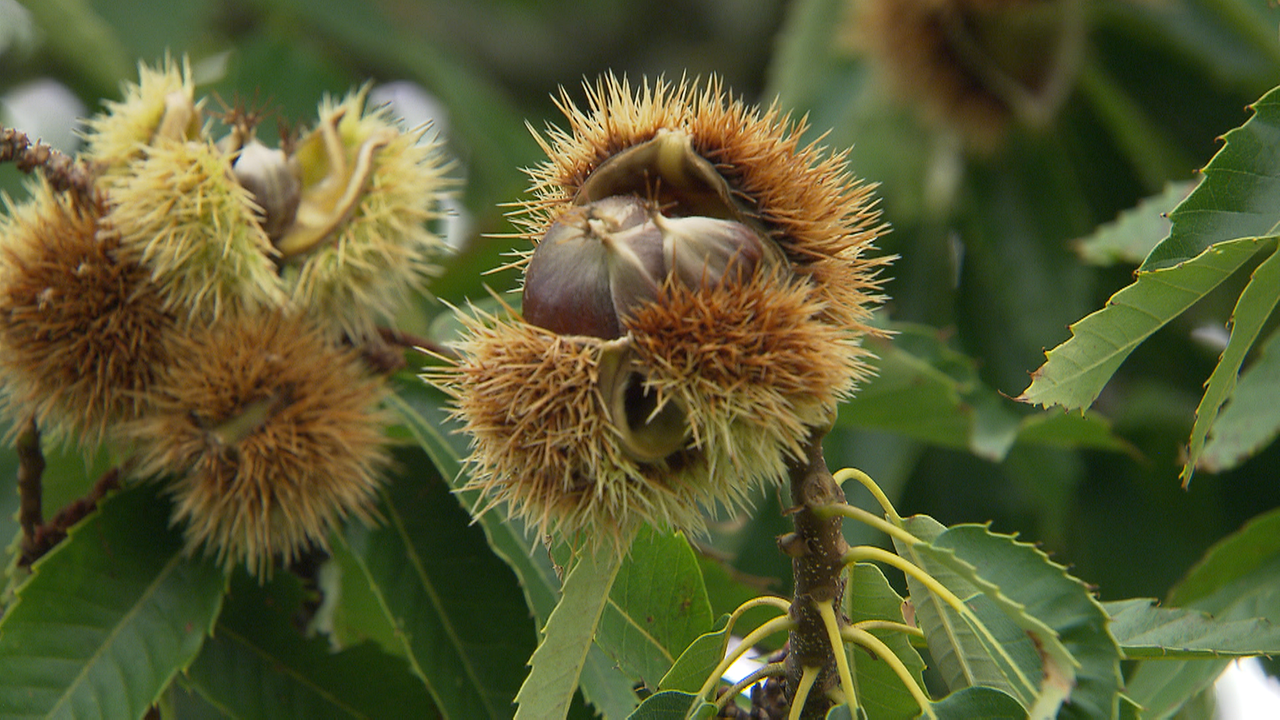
(181, 212)
(120, 134)
(383, 253)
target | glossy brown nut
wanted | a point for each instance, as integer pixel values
(593, 264)
(602, 260)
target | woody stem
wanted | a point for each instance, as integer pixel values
(817, 549)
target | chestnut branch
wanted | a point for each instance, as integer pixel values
(817, 549)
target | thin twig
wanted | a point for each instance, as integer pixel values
(30, 487)
(48, 535)
(403, 339)
(381, 357)
(62, 171)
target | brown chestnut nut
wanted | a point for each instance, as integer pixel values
(602, 260)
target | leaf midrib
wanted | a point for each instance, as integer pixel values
(640, 629)
(285, 668)
(165, 570)
(419, 568)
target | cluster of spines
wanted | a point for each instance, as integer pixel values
(805, 197)
(185, 217)
(155, 315)
(754, 364)
(272, 439)
(384, 253)
(80, 322)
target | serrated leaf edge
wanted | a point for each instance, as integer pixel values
(1044, 387)
(1263, 289)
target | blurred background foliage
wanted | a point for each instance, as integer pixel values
(987, 211)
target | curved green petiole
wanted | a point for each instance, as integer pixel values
(867, 518)
(775, 669)
(828, 613)
(872, 643)
(865, 552)
(807, 679)
(842, 476)
(911, 630)
(778, 624)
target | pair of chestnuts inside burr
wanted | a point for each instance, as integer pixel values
(655, 214)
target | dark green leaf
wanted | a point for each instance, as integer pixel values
(657, 606)
(868, 596)
(1163, 687)
(608, 690)
(1044, 591)
(1131, 237)
(1072, 430)
(1129, 710)
(1236, 580)
(421, 408)
(727, 588)
(1145, 630)
(1076, 371)
(698, 660)
(978, 703)
(1239, 196)
(1251, 419)
(962, 653)
(352, 611)
(258, 665)
(1077, 657)
(558, 662)
(902, 380)
(181, 702)
(672, 705)
(927, 391)
(109, 616)
(1236, 558)
(464, 626)
(1257, 301)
